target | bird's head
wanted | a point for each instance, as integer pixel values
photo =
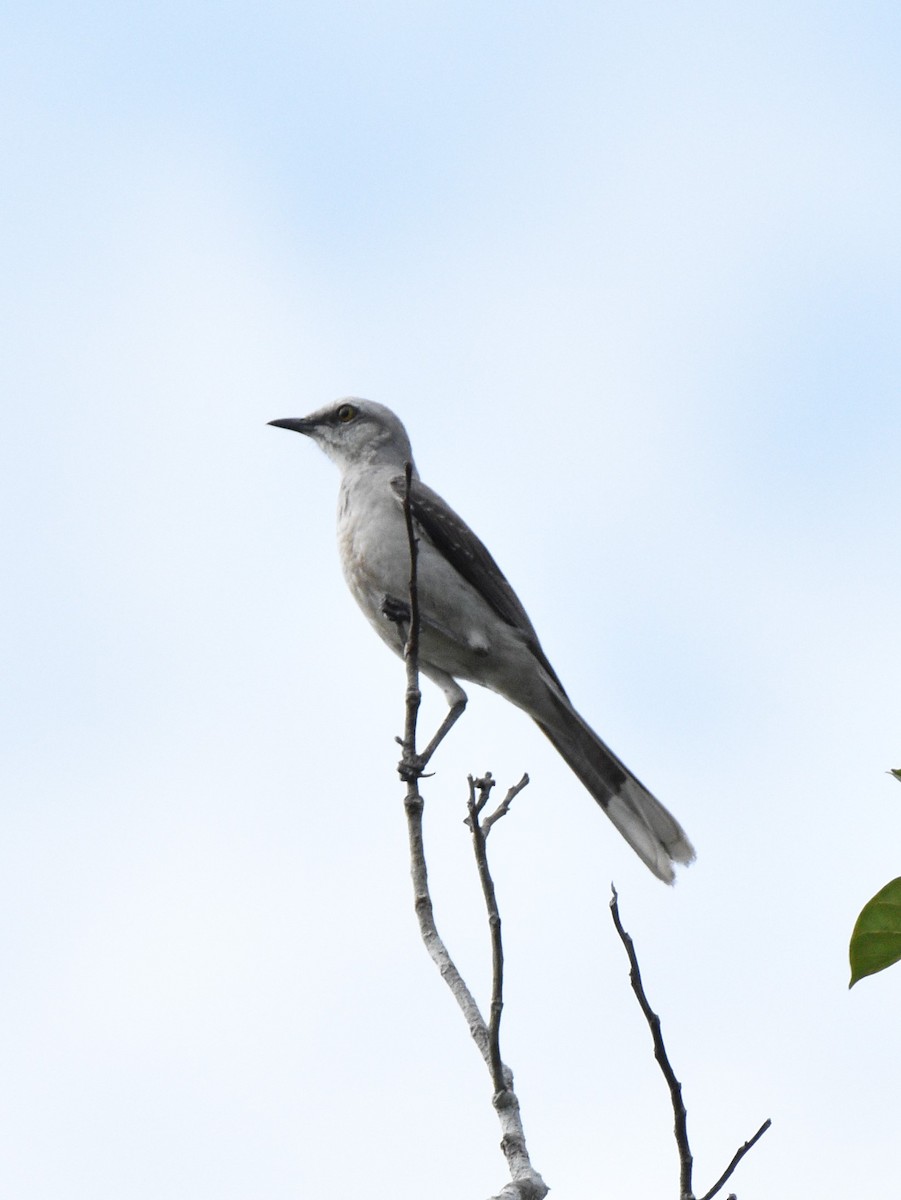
(354, 432)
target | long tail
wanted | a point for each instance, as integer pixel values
(653, 833)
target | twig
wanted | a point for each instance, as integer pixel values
(412, 764)
(680, 1124)
(411, 649)
(525, 1182)
(675, 1087)
(483, 786)
(504, 807)
(494, 925)
(736, 1159)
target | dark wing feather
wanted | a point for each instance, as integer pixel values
(450, 535)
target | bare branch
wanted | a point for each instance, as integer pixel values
(413, 805)
(525, 1182)
(412, 764)
(494, 926)
(680, 1116)
(411, 650)
(680, 1127)
(736, 1159)
(504, 807)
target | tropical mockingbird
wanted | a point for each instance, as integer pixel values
(472, 625)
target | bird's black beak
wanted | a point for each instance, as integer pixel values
(298, 424)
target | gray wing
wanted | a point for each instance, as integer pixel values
(469, 557)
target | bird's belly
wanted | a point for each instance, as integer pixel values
(374, 572)
(460, 634)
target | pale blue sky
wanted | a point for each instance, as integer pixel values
(631, 274)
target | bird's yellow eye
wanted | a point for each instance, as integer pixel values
(345, 413)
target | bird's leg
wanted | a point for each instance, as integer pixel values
(412, 770)
(453, 714)
(398, 613)
(456, 702)
(456, 699)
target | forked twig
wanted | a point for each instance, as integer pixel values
(504, 807)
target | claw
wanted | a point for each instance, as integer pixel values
(396, 611)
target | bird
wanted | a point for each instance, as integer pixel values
(473, 626)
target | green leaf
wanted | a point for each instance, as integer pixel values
(896, 771)
(876, 940)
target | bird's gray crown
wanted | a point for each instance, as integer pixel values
(354, 432)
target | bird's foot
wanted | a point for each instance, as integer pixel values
(397, 611)
(412, 767)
